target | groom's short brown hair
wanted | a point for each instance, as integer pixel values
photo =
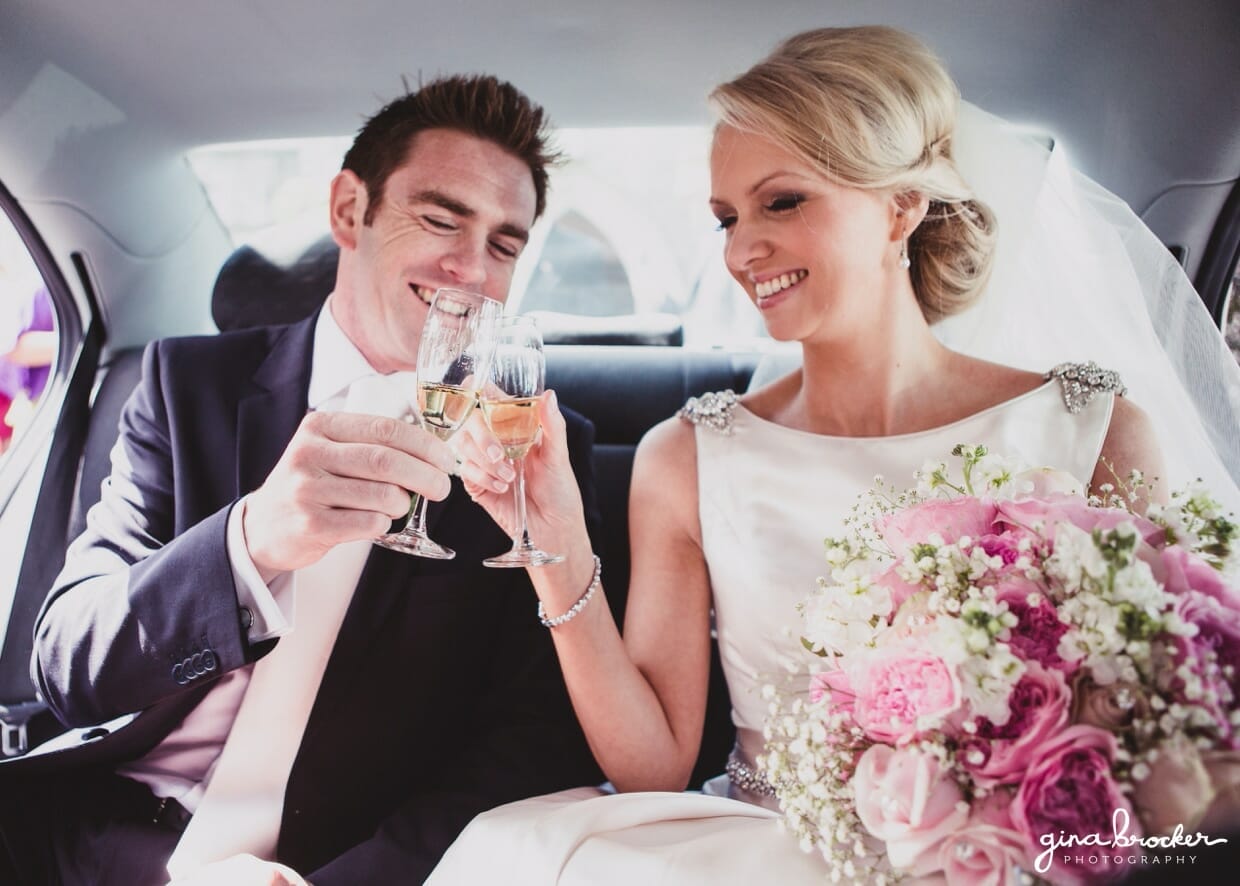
(477, 105)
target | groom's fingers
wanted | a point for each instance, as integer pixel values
(351, 427)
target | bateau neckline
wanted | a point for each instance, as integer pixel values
(910, 435)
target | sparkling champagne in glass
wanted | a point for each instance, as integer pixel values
(510, 407)
(454, 361)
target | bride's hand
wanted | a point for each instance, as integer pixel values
(554, 514)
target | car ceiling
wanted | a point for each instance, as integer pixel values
(98, 101)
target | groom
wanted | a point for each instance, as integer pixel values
(241, 491)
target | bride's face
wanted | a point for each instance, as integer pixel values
(814, 256)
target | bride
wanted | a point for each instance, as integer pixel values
(847, 223)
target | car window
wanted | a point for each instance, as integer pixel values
(627, 229)
(28, 340)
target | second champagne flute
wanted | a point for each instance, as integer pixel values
(510, 407)
(454, 362)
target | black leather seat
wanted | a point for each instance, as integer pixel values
(624, 390)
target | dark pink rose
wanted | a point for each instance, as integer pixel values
(1181, 570)
(1213, 654)
(1052, 510)
(1039, 704)
(909, 800)
(950, 518)
(900, 691)
(1038, 628)
(1008, 545)
(1069, 793)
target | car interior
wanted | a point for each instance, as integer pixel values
(102, 107)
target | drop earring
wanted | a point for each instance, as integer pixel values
(904, 260)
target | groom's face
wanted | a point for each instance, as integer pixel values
(456, 213)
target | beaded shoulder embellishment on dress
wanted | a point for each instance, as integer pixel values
(1082, 381)
(713, 410)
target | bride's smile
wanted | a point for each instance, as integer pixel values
(777, 288)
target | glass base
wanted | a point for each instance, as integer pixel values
(412, 543)
(521, 557)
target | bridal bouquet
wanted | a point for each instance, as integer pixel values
(1014, 683)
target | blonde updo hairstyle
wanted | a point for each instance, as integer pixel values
(873, 108)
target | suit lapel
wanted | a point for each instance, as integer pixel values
(269, 413)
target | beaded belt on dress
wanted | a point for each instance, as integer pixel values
(747, 778)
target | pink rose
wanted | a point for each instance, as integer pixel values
(900, 691)
(1069, 793)
(950, 518)
(1178, 789)
(911, 621)
(1181, 570)
(900, 589)
(907, 799)
(1223, 816)
(1047, 513)
(988, 850)
(1038, 628)
(833, 682)
(1039, 706)
(1112, 707)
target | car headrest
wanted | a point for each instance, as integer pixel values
(252, 290)
(627, 329)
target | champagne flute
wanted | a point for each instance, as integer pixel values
(454, 361)
(510, 407)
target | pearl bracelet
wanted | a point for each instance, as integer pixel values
(581, 601)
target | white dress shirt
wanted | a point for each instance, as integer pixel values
(180, 766)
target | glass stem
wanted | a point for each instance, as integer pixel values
(521, 539)
(416, 522)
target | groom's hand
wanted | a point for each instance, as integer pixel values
(343, 477)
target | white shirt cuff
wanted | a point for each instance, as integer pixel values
(271, 606)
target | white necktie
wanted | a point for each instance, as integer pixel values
(242, 806)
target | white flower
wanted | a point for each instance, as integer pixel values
(987, 681)
(1077, 561)
(999, 477)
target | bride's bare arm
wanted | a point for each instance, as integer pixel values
(641, 699)
(1130, 445)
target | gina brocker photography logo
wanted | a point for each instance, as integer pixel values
(1122, 849)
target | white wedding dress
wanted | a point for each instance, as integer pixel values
(768, 497)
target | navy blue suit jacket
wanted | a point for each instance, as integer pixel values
(442, 696)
